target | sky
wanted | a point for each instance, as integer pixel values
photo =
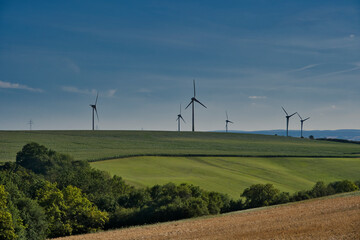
(248, 58)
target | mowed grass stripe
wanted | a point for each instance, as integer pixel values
(99, 145)
(232, 175)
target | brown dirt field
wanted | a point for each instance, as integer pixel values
(334, 218)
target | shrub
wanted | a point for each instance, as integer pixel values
(343, 186)
(301, 195)
(357, 183)
(320, 190)
(259, 195)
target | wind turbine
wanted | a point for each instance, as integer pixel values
(227, 121)
(31, 123)
(93, 106)
(192, 102)
(287, 120)
(302, 123)
(178, 119)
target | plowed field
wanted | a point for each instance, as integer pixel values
(331, 218)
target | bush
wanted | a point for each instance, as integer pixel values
(281, 198)
(320, 190)
(259, 195)
(343, 186)
(301, 195)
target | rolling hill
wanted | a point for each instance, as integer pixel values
(223, 162)
(99, 145)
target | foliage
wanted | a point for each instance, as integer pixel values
(40, 160)
(259, 195)
(69, 211)
(320, 189)
(34, 219)
(300, 195)
(84, 216)
(52, 200)
(7, 230)
(343, 186)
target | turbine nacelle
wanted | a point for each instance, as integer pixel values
(193, 99)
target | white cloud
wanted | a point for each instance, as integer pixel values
(352, 36)
(304, 68)
(111, 92)
(77, 90)
(257, 97)
(18, 86)
(94, 92)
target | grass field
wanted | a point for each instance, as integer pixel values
(95, 145)
(326, 218)
(232, 175)
(214, 161)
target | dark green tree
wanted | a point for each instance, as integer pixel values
(260, 195)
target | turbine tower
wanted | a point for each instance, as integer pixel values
(192, 102)
(31, 123)
(93, 106)
(227, 121)
(178, 119)
(302, 123)
(287, 120)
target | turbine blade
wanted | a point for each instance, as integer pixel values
(292, 114)
(180, 108)
(306, 119)
(182, 119)
(194, 88)
(227, 118)
(230, 121)
(96, 114)
(299, 116)
(285, 111)
(200, 103)
(189, 104)
(97, 95)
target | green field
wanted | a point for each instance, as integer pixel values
(232, 175)
(96, 145)
(223, 162)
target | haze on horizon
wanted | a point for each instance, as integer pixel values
(247, 57)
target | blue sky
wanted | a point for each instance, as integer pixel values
(248, 57)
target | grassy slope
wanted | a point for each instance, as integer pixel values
(232, 175)
(89, 145)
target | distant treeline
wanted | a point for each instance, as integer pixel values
(338, 140)
(46, 194)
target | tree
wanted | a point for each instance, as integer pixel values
(343, 186)
(52, 200)
(7, 230)
(320, 190)
(82, 214)
(259, 195)
(34, 156)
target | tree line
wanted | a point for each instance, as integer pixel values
(46, 194)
